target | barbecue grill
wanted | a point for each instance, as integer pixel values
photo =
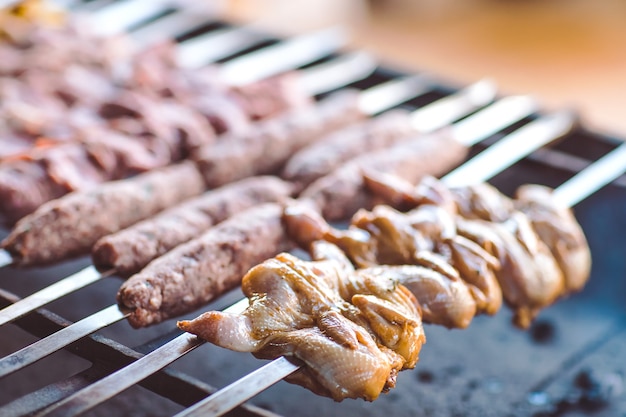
(570, 361)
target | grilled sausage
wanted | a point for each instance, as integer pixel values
(194, 273)
(70, 225)
(264, 149)
(342, 192)
(129, 250)
(329, 153)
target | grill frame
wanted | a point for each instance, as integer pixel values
(107, 355)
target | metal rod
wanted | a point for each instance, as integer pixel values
(392, 93)
(170, 26)
(120, 16)
(338, 72)
(592, 178)
(53, 292)
(494, 118)
(128, 376)
(513, 148)
(242, 390)
(58, 340)
(449, 109)
(5, 258)
(213, 46)
(284, 56)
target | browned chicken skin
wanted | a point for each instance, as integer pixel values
(557, 228)
(353, 331)
(541, 247)
(451, 277)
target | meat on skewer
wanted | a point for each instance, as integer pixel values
(70, 225)
(286, 290)
(194, 273)
(353, 332)
(542, 249)
(341, 193)
(329, 153)
(131, 249)
(266, 148)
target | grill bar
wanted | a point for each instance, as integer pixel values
(283, 57)
(121, 16)
(242, 390)
(60, 339)
(170, 27)
(215, 45)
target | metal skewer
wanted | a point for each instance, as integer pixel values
(171, 26)
(333, 74)
(121, 16)
(124, 378)
(592, 178)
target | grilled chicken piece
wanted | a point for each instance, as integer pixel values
(353, 332)
(541, 246)
(557, 227)
(444, 299)
(449, 296)
(529, 275)
(426, 237)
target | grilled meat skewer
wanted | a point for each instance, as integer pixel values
(264, 149)
(194, 273)
(131, 249)
(384, 131)
(66, 227)
(353, 332)
(339, 194)
(553, 259)
(319, 159)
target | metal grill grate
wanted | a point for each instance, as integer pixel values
(489, 369)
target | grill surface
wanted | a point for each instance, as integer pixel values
(490, 369)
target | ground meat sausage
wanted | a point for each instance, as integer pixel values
(194, 273)
(341, 193)
(70, 225)
(264, 149)
(129, 250)
(329, 153)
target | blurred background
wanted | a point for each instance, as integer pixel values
(568, 53)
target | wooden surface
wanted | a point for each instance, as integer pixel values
(566, 53)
